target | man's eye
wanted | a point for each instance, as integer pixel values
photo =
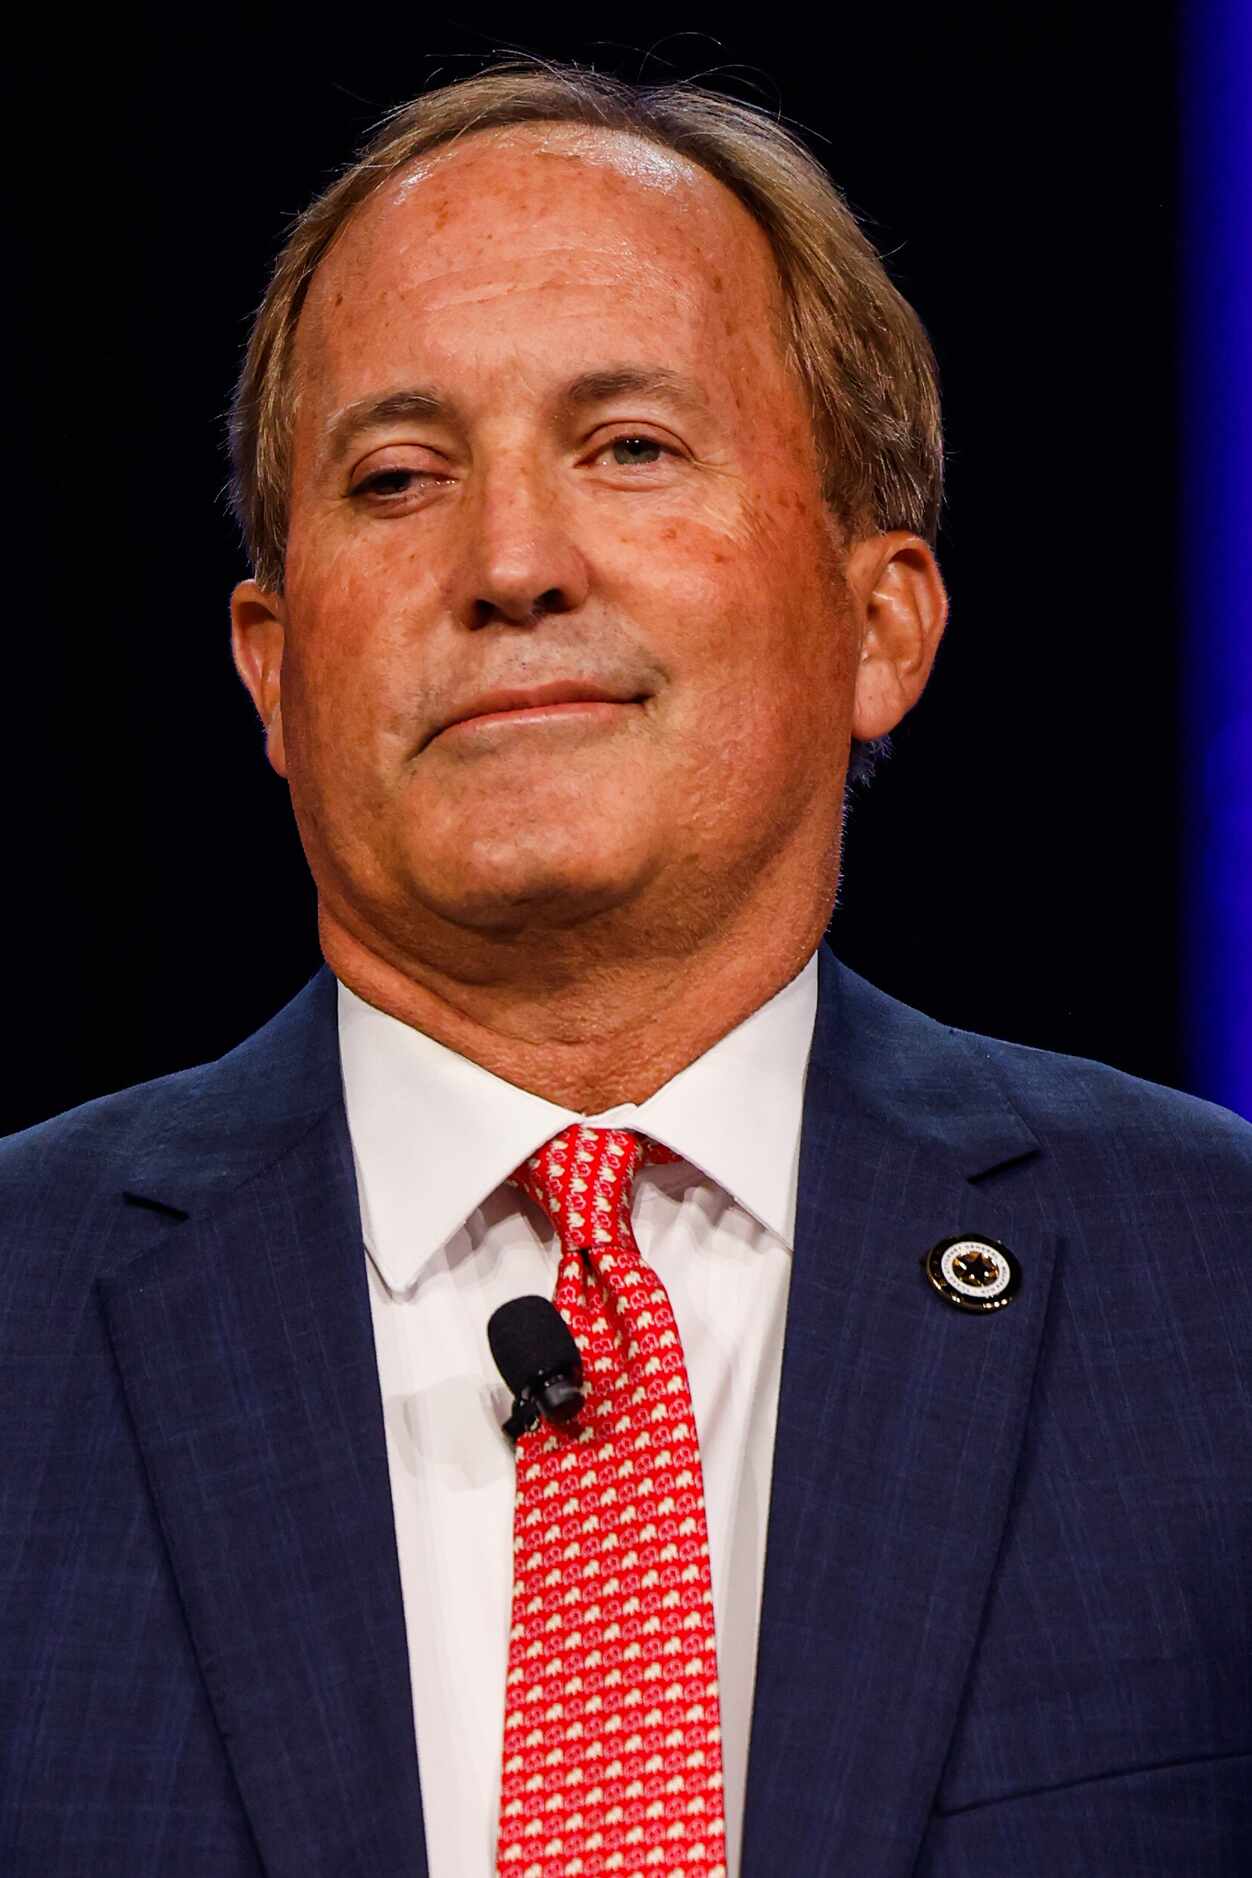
(635, 452)
(386, 482)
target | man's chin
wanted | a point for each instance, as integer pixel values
(506, 872)
(539, 904)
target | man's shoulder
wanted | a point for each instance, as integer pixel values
(192, 1132)
(1079, 1100)
(1077, 1108)
(89, 1141)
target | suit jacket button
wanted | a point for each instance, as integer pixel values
(973, 1274)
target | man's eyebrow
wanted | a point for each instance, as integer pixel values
(413, 401)
(644, 381)
(423, 404)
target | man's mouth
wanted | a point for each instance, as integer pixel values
(537, 704)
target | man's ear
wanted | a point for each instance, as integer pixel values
(257, 633)
(902, 607)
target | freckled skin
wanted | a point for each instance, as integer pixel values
(583, 903)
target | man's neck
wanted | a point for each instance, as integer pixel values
(612, 1033)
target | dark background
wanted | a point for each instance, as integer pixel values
(1015, 866)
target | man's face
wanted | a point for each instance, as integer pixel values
(547, 452)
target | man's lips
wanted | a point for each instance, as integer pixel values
(534, 703)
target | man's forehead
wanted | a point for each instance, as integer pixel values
(529, 199)
(620, 154)
(590, 240)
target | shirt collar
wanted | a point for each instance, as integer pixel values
(434, 1134)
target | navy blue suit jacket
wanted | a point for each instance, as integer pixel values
(1006, 1622)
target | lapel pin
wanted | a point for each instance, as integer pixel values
(973, 1274)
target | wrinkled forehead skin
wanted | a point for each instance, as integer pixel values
(610, 244)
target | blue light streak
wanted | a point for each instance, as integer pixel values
(1216, 435)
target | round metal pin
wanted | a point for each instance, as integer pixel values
(974, 1274)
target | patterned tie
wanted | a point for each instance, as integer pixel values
(612, 1739)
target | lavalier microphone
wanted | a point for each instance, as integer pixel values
(538, 1358)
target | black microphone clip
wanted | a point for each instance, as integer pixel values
(539, 1360)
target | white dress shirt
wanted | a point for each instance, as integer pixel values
(435, 1138)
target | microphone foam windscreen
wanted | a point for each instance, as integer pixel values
(529, 1338)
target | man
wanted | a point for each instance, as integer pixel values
(589, 465)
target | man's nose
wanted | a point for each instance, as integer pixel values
(521, 559)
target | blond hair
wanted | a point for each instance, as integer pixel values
(858, 346)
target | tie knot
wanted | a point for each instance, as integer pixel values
(584, 1180)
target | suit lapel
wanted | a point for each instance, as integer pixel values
(900, 1423)
(246, 1349)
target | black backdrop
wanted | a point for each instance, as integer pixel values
(1013, 869)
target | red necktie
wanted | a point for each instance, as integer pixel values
(612, 1738)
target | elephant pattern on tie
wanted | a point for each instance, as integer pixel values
(612, 1739)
